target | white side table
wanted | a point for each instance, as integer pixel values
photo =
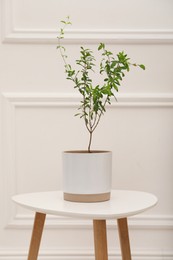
(122, 205)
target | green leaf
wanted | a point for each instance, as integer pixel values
(115, 87)
(142, 66)
(101, 46)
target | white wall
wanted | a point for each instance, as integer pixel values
(37, 123)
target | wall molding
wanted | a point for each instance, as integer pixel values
(139, 222)
(83, 254)
(11, 34)
(90, 36)
(72, 100)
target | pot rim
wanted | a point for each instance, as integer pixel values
(86, 151)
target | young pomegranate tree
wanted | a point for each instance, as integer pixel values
(112, 69)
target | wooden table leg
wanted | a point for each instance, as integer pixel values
(100, 239)
(36, 235)
(124, 238)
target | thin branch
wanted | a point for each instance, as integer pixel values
(101, 113)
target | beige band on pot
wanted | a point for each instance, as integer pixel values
(87, 197)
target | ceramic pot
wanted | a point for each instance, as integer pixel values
(87, 176)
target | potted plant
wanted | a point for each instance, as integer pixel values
(87, 173)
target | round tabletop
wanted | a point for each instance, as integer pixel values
(122, 204)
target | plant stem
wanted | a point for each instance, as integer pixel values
(90, 139)
(93, 127)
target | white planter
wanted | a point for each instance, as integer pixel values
(87, 176)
